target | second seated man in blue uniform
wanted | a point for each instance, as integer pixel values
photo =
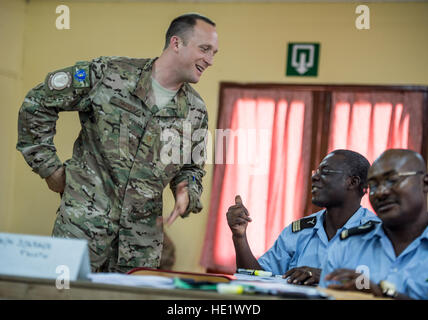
(338, 185)
(390, 258)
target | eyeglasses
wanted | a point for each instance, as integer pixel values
(325, 172)
(391, 181)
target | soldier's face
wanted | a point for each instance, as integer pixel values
(197, 54)
(396, 200)
(329, 183)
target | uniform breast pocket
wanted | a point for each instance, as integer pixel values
(130, 128)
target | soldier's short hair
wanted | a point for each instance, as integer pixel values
(357, 165)
(183, 24)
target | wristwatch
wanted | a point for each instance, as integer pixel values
(388, 289)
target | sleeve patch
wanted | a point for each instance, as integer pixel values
(81, 75)
(59, 80)
(65, 80)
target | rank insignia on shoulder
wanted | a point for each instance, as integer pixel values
(303, 223)
(364, 228)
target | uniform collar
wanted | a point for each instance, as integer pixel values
(387, 245)
(359, 217)
(424, 234)
(144, 91)
(376, 232)
(379, 232)
(423, 237)
(320, 219)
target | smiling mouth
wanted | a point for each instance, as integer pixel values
(315, 189)
(200, 69)
(383, 207)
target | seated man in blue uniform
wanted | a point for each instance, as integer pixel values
(338, 185)
(389, 258)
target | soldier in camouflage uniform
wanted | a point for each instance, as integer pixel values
(112, 186)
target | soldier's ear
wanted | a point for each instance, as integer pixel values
(174, 43)
(354, 182)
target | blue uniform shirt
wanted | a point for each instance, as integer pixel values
(307, 247)
(408, 272)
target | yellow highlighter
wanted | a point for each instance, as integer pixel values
(250, 272)
(227, 288)
(262, 273)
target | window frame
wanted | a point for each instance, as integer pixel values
(322, 106)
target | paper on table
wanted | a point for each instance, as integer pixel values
(134, 281)
(246, 277)
(283, 288)
(277, 285)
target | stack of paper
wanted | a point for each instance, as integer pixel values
(135, 281)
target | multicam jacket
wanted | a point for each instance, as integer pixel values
(115, 178)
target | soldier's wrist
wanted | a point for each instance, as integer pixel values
(239, 236)
(49, 167)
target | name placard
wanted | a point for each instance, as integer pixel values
(43, 257)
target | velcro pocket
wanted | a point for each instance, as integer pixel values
(125, 106)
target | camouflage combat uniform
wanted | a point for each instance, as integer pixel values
(115, 178)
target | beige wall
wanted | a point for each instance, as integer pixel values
(252, 39)
(12, 22)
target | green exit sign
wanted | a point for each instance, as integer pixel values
(302, 60)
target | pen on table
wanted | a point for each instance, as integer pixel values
(251, 272)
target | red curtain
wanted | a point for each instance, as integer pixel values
(262, 154)
(370, 123)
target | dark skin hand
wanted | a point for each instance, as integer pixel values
(348, 282)
(350, 278)
(238, 218)
(303, 275)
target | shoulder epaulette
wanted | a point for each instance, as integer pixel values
(303, 223)
(364, 228)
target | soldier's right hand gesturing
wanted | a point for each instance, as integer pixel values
(238, 218)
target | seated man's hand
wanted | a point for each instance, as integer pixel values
(56, 181)
(238, 218)
(349, 280)
(303, 275)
